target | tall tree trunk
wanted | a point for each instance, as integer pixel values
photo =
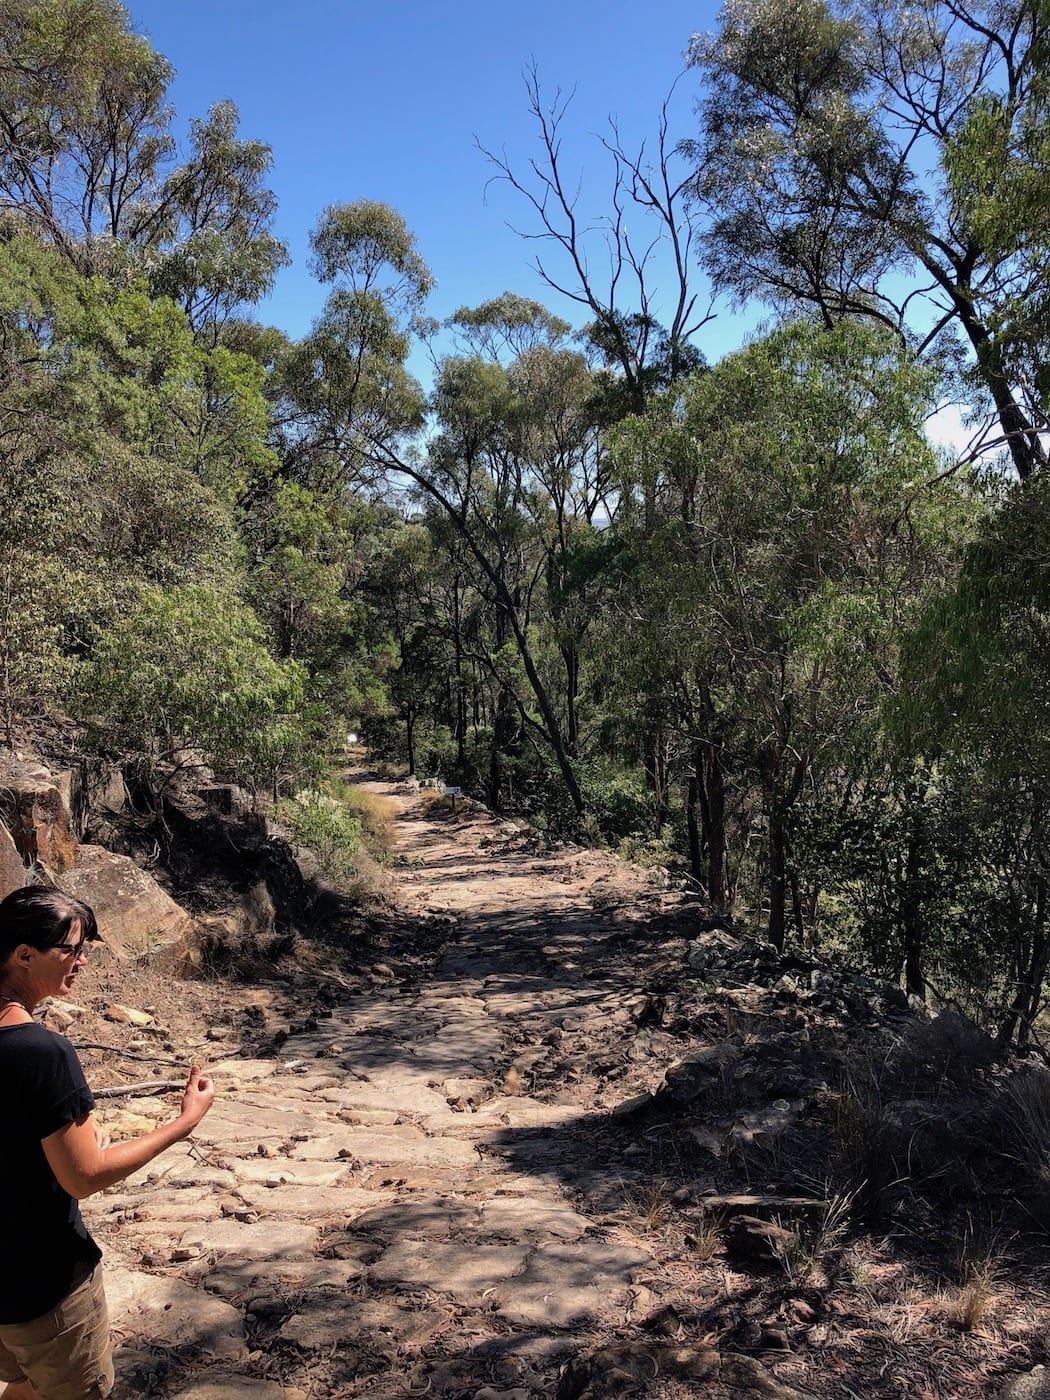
(461, 698)
(777, 804)
(777, 856)
(912, 920)
(653, 763)
(1028, 992)
(1022, 438)
(713, 808)
(708, 765)
(798, 913)
(571, 660)
(502, 733)
(912, 915)
(410, 740)
(692, 821)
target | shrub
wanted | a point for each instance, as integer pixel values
(330, 831)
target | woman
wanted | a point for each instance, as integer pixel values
(54, 1329)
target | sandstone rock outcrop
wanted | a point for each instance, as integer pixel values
(134, 914)
(13, 871)
(36, 813)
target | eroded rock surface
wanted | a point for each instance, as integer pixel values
(415, 1190)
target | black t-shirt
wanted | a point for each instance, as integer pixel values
(42, 1088)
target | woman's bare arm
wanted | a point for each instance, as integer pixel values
(83, 1163)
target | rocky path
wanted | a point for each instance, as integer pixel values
(423, 1192)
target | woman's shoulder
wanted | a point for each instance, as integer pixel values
(33, 1038)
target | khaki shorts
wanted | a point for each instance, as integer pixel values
(65, 1353)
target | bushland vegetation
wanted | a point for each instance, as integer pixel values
(741, 617)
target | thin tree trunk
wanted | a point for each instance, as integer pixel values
(717, 839)
(1028, 993)
(571, 658)
(461, 699)
(410, 741)
(692, 804)
(777, 881)
(653, 764)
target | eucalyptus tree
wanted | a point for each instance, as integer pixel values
(123, 450)
(799, 521)
(344, 402)
(474, 474)
(631, 268)
(90, 165)
(857, 158)
(978, 680)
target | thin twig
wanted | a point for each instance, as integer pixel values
(150, 1086)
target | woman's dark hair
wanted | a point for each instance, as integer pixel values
(41, 916)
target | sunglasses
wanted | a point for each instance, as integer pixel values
(73, 949)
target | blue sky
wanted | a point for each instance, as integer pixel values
(384, 101)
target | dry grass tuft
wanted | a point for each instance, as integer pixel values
(1026, 1100)
(706, 1238)
(807, 1248)
(973, 1302)
(376, 814)
(866, 1138)
(652, 1202)
(369, 882)
(978, 1262)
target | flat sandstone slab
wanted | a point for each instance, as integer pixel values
(168, 1311)
(465, 1271)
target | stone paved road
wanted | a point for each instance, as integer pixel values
(392, 1206)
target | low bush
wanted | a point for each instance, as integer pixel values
(330, 831)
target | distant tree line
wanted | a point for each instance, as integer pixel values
(741, 619)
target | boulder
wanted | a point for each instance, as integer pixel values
(227, 799)
(108, 791)
(1034, 1385)
(134, 914)
(699, 1075)
(36, 813)
(758, 1241)
(13, 872)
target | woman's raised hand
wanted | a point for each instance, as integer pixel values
(198, 1096)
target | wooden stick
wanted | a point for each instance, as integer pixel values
(151, 1086)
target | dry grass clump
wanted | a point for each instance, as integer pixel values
(651, 1202)
(979, 1263)
(1019, 1119)
(807, 1248)
(369, 882)
(1026, 1102)
(866, 1139)
(375, 813)
(706, 1238)
(973, 1302)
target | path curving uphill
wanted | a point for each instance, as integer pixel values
(423, 1192)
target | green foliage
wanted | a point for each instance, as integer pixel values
(781, 525)
(835, 186)
(187, 667)
(328, 829)
(362, 243)
(618, 806)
